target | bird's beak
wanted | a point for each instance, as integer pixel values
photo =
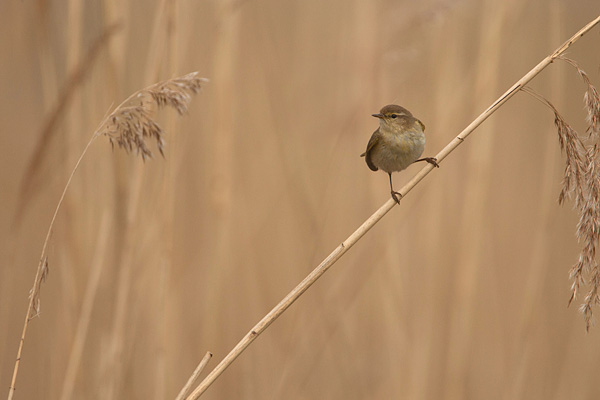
(380, 116)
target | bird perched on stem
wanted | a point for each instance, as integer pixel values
(397, 143)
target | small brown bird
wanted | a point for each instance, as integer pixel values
(397, 143)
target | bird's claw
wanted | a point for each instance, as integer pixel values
(432, 161)
(397, 196)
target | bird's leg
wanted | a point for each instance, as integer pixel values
(395, 195)
(430, 160)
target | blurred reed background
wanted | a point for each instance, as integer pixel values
(459, 293)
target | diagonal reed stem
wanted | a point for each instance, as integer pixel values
(292, 296)
(339, 251)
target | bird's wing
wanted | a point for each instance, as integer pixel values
(367, 154)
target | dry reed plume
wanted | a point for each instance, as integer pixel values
(581, 182)
(582, 176)
(131, 126)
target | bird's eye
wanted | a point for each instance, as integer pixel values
(393, 115)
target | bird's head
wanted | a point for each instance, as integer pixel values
(394, 117)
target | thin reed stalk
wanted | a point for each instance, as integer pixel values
(129, 126)
(188, 385)
(41, 273)
(339, 251)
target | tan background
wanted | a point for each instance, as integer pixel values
(460, 293)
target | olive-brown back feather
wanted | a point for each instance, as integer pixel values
(372, 143)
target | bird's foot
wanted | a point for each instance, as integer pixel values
(397, 196)
(430, 160)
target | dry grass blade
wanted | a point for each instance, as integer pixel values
(34, 293)
(130, 125)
